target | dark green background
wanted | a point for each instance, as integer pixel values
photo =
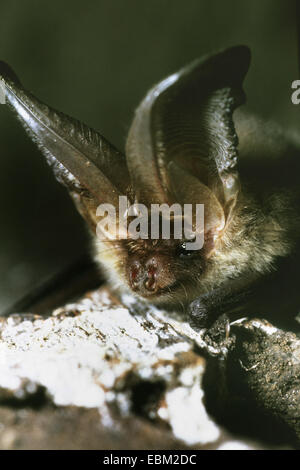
(95, 61)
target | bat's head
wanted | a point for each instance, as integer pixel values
(181, 150)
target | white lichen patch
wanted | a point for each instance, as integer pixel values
(90, 353)
(190, 396)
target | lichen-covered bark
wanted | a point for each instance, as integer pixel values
(117, 362)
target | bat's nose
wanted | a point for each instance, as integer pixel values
(135, 270)
(150, 281)
(144, 276)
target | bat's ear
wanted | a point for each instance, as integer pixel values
(91, 168)
(187, 119)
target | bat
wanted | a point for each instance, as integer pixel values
(188, 143)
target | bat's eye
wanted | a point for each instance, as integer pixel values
(183, 252)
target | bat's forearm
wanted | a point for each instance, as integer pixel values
(233, 299)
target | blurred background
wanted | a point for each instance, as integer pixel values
(95, 60)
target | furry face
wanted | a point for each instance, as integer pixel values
(161, 271)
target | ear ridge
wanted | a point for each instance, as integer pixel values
(189, 114)
(188, 189)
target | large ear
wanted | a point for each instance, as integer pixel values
(91, 168)
(187, 119)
